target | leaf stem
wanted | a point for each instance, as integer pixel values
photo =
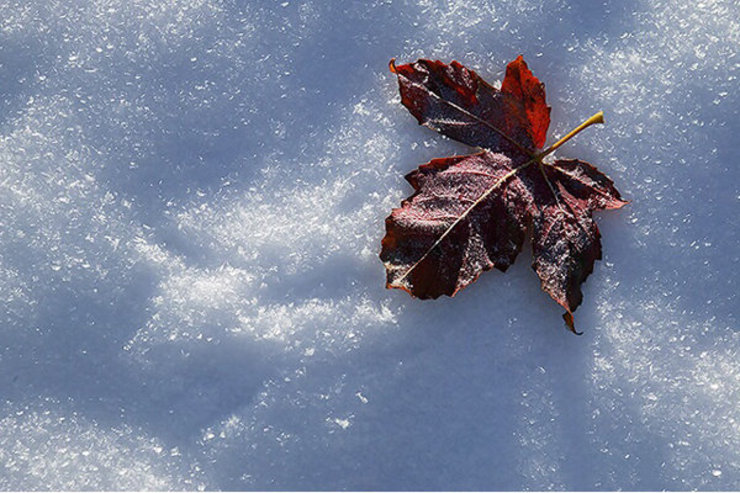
(597, 118)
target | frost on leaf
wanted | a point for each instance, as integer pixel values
(472, 213)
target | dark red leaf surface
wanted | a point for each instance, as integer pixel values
(472, 213)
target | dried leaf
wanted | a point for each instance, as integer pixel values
(472, 213)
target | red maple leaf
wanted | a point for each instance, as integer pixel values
(472, 213)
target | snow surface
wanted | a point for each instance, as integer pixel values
(192, 197)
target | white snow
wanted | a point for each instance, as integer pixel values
(192, 197)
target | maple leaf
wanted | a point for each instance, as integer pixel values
(472, 213)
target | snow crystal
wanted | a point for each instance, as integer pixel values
(42, 448)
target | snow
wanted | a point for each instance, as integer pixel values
(192, 196)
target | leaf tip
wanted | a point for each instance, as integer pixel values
(392, 65)
(568, 317)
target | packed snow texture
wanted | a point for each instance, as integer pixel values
(192, 197)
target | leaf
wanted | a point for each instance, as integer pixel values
(472, 213)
